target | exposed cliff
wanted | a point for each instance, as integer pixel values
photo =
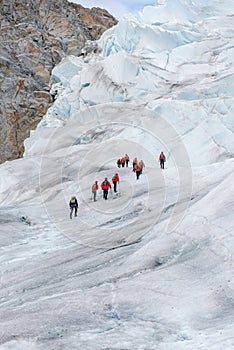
(35, 35)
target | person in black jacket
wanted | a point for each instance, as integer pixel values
(73, 204)
(119, 163)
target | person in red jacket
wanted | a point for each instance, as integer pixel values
(94, 190)
(123, 160)
(142, 165)
(127, 159)
(115, 180)
(105, 187)
(137, 169)
(162, 159)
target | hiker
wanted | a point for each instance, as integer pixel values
(127, 159)
(142, 165)
(137, 170)
(162, 159)
(115, 180)
(134, 162)
(118, 163)
(94, 190)
(73, 204)
(123, 161)
(105, 187)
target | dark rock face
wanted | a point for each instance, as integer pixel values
(35, 35)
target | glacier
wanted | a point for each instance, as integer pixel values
(152, 268)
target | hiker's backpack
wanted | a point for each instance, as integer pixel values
(161, 156)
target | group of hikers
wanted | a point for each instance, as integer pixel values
(137, 167)
(122, 161)
(105, 186)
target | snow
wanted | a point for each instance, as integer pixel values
(151, 267)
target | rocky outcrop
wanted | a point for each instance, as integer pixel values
(35, 35)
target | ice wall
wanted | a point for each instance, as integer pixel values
(175, 58)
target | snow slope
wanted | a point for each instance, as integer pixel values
(151, 268)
